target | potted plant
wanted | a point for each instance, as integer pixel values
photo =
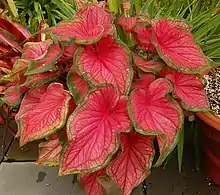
(211, 122)
(98, 91)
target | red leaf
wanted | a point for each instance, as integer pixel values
(178, 48)
(40, 79)
(92, 131)
(148, 65)
(47, 62)
(77, 86)
(144, 82)
(42, 112)
(190, 90)
(153, 113)
(12, 96)
(49, 153)
(90, 26)
(142, 36)
(35, 50)
(90, 183)
(16, 29)
(133, 164)
(96, 14)
(105, 62)
(69, 50)
(7, 39)
(128, 23)
(164, 72)
(5, 64)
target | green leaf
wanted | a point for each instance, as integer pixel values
(114, 5)
(12, 8)
(180, 150)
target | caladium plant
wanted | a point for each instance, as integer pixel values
(100, 100)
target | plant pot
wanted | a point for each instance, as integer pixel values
(211, 145)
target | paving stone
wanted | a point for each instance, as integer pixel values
(30, 179)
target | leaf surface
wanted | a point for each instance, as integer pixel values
(90, 183)
(12, 96)
(92, 130)
(77, 86)
(40, 79)
(154, 113)
(143, 37)
(42, 112)
(177, 47)
(148, 65)
(105, 62)
(190, 90)
(17, 30)
(133, 164)
(127, 23)
(35, 50)
(89, 25)
(144, 82)
(49, 153)
(8, 40)
(47, 62)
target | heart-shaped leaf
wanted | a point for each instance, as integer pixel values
(88, 26)
(12, 96)
(92, 130)
(190, 90)
(42, 112)
(133, 164)
(153, 113)
(49, 153)
(105, 62)
(127, 23)
(47, 62)
(35, 50)
(177, 47)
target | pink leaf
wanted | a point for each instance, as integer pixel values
(69, 50)
(40, 79)
(96, 14)
(178, 48)
(77, 86)
(153, 113)
(42, 112)
(148, 65)
(7, 39)
(12, 96)
(143, 37)
(17, 30)
(105, 62)
(47, 62)
(190, 90)
(144, 82)
(133, 164)
(35, 50)
(92, 130)
(128, 23)
(90, 183)
(49, 153)
(89, 25)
